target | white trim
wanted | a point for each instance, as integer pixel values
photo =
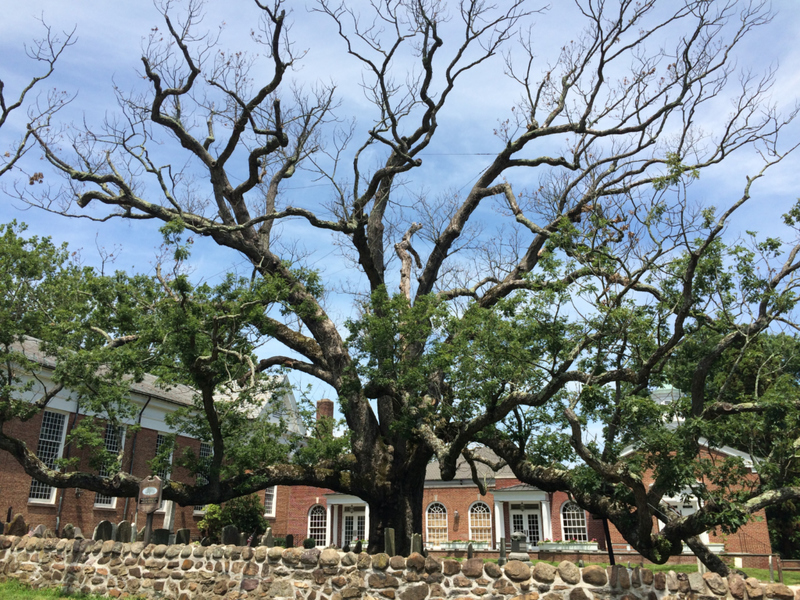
(500, 522)
(428, 541)
(308, 522)
(113, 504)
(525, 496)
(274, 488)
(469, 518)
(53, 490)
(565, 505)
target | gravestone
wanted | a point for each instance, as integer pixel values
(183, 536)
(140, 535)
(359, 547)
(78, 533)
(230, 535)
(388, 541)
(470, 551)
(17, 526)
(68, 533)
(416, 543)
(160, 536)
(124, 532)
(205, 542)
(502, 558)
(2, 527)
(267, 539)
(8, 515)
(50, 534)
(290, 541)
(242, 540)
(38, 531)
(104, 531)
(346, 547)
(519, 547)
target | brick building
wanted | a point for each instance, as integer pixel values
(454, 511)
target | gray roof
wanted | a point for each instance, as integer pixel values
(432, 472)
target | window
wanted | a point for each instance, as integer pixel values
(480, 522)
(161, 439)
(355, 522)
(437, 524)
(573, 522)
(51, 443)
(269, 501)
(317, 524)
(205, 452)
(114, 442)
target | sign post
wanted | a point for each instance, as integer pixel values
(149, 501)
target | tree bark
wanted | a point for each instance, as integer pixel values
(400, 509)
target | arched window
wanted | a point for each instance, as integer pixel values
(317, 524)
(573, 522)
(480, 522)
(437, 524)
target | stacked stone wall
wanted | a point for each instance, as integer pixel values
(194, 572)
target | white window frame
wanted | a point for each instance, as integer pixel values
(433, 537)
(59, 454)
(568, 505)
(356, 516)
(270, 492)
(473, 525)
(112, 503)
(166, 505)
(314, 526)
(205, 451)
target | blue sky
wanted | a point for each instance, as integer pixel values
(109, 38)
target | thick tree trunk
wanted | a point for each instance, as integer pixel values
(400, 509)
(708, 558)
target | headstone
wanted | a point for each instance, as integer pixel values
(183, 536)
(470, 551)
(388, 541)
(17, 526)
(242, 540)
(38, 531)
(580, 563)
(359, 547)
(160, 536)
(205, 542)
(516, 538)
(140, 535)
(79, 534)
(230, 535)
(124, 532)
(104, 531)
(346, 547)
(502, 558)
(424, 552)
(290, 541)
(8, 515)
(267, 539)
(50, 534)
(2, 527)
(68, 533)
(416, 543)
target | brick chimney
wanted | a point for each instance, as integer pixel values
(324, 409)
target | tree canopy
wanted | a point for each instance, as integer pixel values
(529, 330)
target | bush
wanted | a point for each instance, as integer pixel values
(245, 513)
(309, 543)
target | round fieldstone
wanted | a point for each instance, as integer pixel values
(569, 572)
(493, 570)
(717, 584)
(517, 570)
(736, 586)
(543, 572)
(472, 567)
(328, 558)
(415, 561)
(595, 575)
(415, 592)
(349, 559)
(275, 553)
(292, 555)
(380, 561)
(779, 591)
(433, 565)
(398, 563)
(364, 561)
(527, 596)
(310, 556)
(579, 594)
(451, 567)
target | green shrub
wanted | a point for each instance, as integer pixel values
(309, 543)
(245, 513)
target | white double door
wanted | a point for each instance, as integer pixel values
(527, 519)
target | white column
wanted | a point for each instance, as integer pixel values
(499, 523)
(366, 523)
(547, 521)
(329, 526)
(335, 528)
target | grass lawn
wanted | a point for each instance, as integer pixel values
(13, 590)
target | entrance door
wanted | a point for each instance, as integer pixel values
(526, 518)
(354, 524)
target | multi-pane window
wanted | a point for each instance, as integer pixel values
(205, 452)
(436, 516)
(317, 524)
(114, 440)
(573, 522)
(163, 473)
(480, 522)
(354, 525)
(51, 442)
(269, 501)
(528, 523)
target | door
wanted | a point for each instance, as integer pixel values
(526, 518)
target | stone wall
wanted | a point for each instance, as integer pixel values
(194, 572)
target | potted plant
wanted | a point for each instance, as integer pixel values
(568, 545)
